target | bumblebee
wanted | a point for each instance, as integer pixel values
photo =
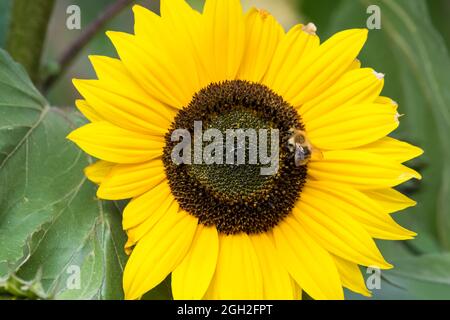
(300, 146)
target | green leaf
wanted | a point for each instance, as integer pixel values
(432, 268)
(424, 277)
(413, 277)
(50, 219)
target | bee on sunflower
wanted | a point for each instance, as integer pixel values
(228, 232)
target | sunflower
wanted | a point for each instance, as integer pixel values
(228, 232)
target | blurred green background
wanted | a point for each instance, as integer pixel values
(411, 48)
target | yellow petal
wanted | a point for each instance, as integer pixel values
(224, 28)
(158, 72)
(88, 111)
(386, 100)
(359, 169)
(338, 233)
(98, 171)
(238, 272)
(351, 276)
(168, 206)
(184, 21)
(297, 290)
(113, 73)
(108, 142)
(128, 247)
(192, 277)
(357, 206)
(130, 180)
(390, 199)
(121, 110)
(351, 126)
(308, 263)
(263, 33)
(294, 47)
(148, 25)
(158, 253)
(354, 87)
(356, 64)
(143, 207)
(323, 67)
(277, 283)
(392, 149)
(169, 52)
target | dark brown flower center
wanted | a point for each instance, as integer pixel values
(235, 196)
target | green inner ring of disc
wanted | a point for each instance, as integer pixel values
(242, 180)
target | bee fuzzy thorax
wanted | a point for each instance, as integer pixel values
(299, 144)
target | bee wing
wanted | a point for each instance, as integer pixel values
(300, 156)
(316, 154)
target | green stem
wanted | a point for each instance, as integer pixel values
(12, 287)
(29, 21)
